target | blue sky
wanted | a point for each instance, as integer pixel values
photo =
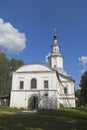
(32, 22)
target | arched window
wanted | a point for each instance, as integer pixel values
(33, 83)
(65, 90)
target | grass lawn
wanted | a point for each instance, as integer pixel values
(62, 119)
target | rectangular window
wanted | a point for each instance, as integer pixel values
(46, 84)
(65, 90)
(21, 84)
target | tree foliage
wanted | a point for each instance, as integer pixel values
(6, 68)
(4, 74)
(82, 92)
(15, 64)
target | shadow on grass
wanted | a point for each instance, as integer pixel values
(27, 121)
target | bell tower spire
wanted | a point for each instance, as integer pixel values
(55, 59)
(55, 46)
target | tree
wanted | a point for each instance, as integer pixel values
(4, 75)
(78, 97)
(15, 64)
(6, 68)
(83, 91)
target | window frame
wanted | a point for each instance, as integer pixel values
(65, 90)
(46, 84)
(21, 85)
(33, 83)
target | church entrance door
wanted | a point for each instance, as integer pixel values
(33, 103)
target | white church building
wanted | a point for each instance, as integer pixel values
(39, 86)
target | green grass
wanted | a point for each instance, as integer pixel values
(76, 113)
(62, 119)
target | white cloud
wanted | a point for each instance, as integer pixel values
(83, 60)
(10, 38)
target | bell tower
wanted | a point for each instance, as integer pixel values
(55, 59)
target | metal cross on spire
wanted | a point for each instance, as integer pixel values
(54, 31)
(55, 36)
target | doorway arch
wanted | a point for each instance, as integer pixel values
(33, 102)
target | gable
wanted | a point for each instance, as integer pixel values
(34, 68)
